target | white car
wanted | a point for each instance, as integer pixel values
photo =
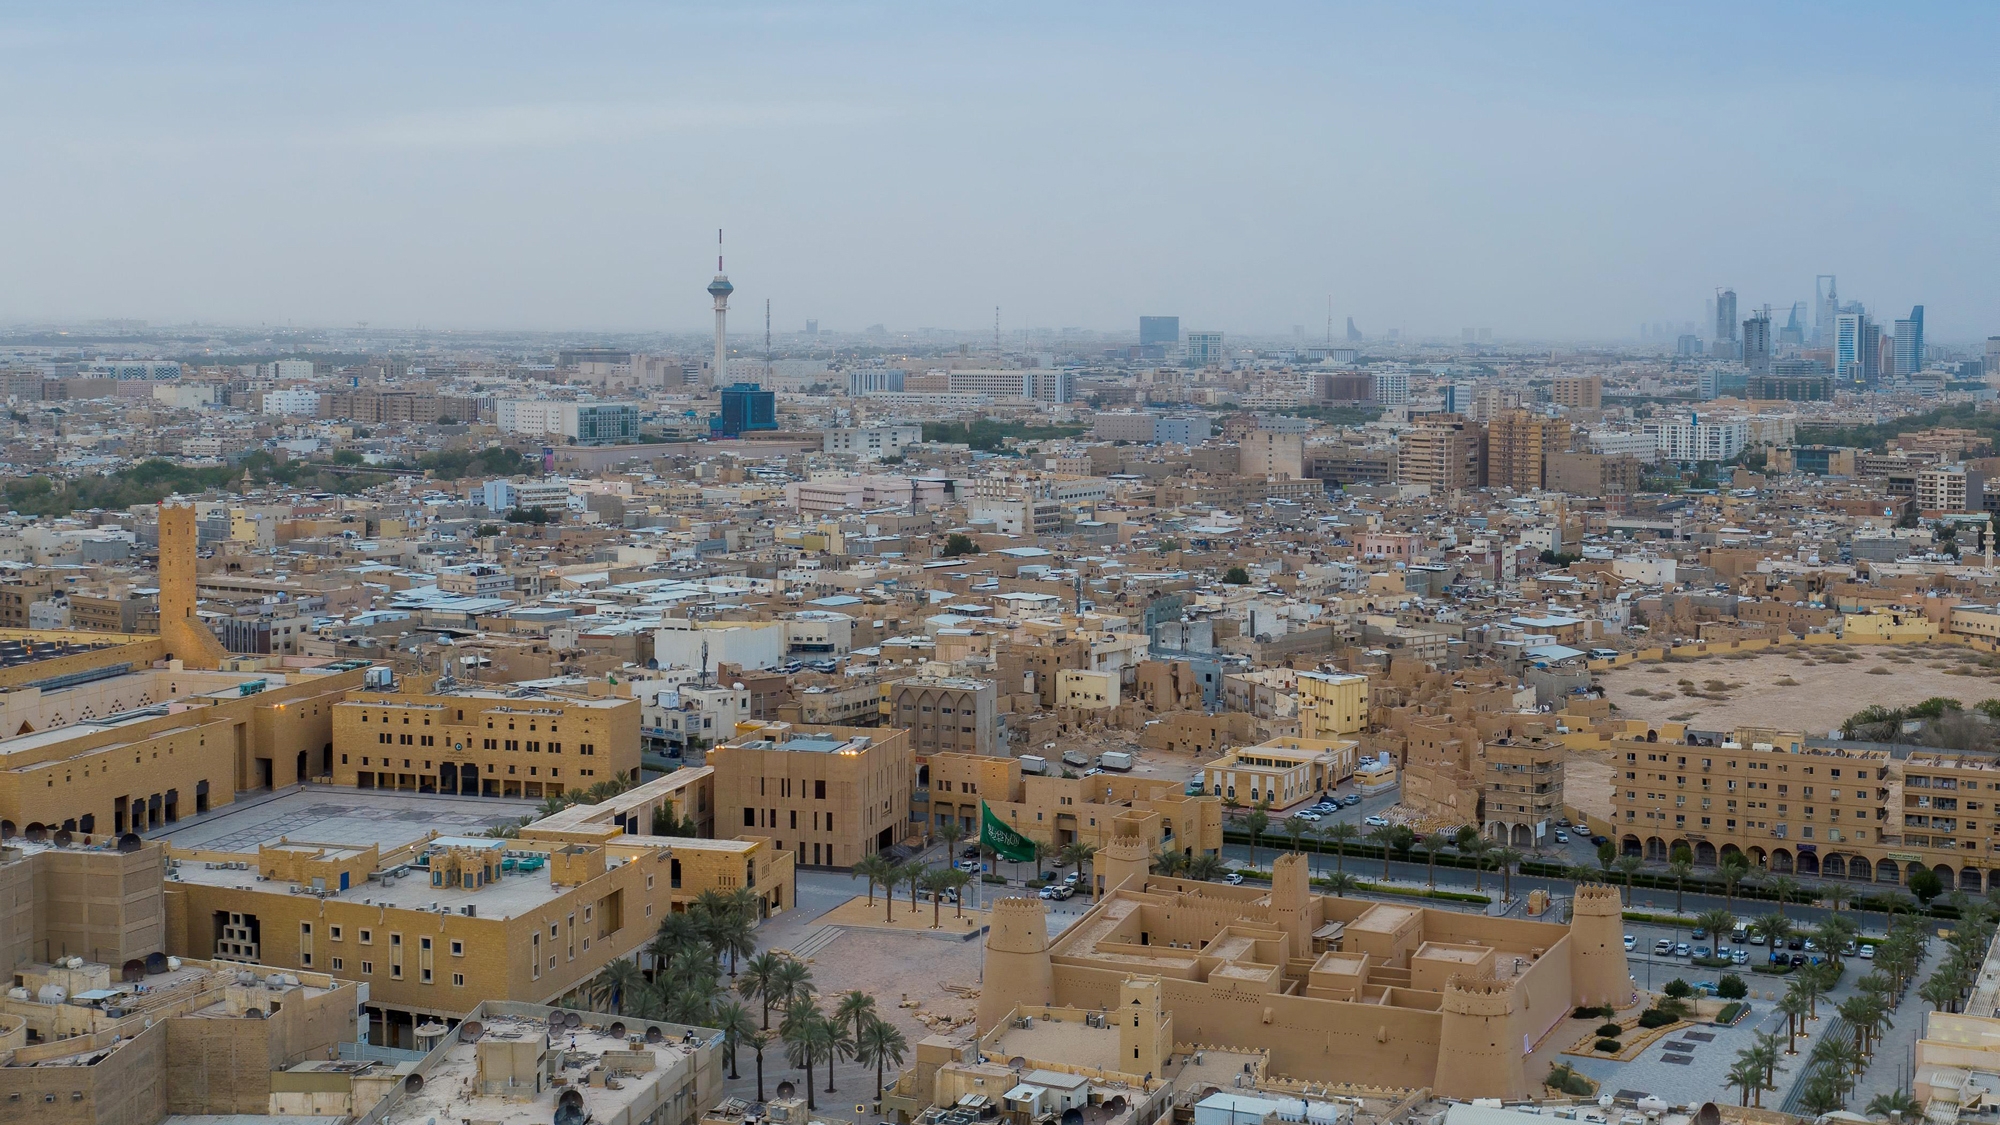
(1307, 815)
(1234, 879)
(1631, 943)
(1377, 821)
(1867, 953)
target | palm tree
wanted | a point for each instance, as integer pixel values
(957, 880)
(1204, 867)
(760, 980)
(1340, 833)
(913, 874)
(1433, 844)
(1839, 1062)
(1832, 935)
(1894, 1105)
(807, 1035)
(875, 868)
(1765, 1045)
(1717, 922)
(618, 980)
(1075, 854)
(1747, 1075)
(1820, 1095)
(1679, 869)
(1383, 836)
(1255, 821)
(1296, 828)
(1169, 862)
(1784, 886)
(839, 1045)
(794, 985)
(879, 1044)
(951, 832)
(1477, 848)
(893, 874)
(1794, 1006)
(1776, 927)
(1505, 859)
(1811, 984)
(1835, 894)
(1732, 870)
(936, 881)
(759, 1040)
(1939, 992)
(1340, 884)
(1628, 866)
(735, 934)
(853, 1008)
(733, 1020)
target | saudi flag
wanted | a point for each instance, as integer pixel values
(1002, 840)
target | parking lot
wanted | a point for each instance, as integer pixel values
(1653, 968)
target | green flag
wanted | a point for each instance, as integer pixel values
(1002, 840)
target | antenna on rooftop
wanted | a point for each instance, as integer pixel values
(996, 329)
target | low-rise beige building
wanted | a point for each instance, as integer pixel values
(830, 795)
(483, 742)
(1280, 772)
(1055, 811)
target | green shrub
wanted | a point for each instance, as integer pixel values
(1587, 1014)
(1731, 987)
(1610, 1031)
(1610, 1046)
(1653, 1017)
(1678, 989)
(1730, 1013)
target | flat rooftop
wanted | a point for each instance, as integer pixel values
(449, 1092)
(327, 814)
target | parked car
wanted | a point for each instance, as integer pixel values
(1600, 841)
(971, 851)
(1063, 892)
(1703, 952)
(1699, 933)
(1756, 938)
(1663, 947)
(1562, 837)
(971, 865)
(1798, 960)
(1848, 949)
(1352, 800)
(1307, 814)
(1048, 876)
(1071, 879)
(1681, 949)
(1562, 822)
(1630, 943)
(1740, 956)
(1867, 953)
(1234, 879)
(1796, 943)
(1739, 935)
(1377, 821)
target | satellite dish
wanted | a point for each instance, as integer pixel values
(786, 1089)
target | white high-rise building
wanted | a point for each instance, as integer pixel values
(1392, 388)
(1694, 438)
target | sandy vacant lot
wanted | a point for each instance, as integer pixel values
(1796, 690)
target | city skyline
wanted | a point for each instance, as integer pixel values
(1551, 173)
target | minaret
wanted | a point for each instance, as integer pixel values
(186, 638)
(720, 289)
(1018, 970)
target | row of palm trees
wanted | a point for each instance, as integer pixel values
(1392, 839)
(688, 959)
(1836, 1063)
(886, 873)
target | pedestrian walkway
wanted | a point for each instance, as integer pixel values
(1891, 1067)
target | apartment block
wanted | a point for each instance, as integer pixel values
(944, 714)
(1332, 704)
(1281, 772)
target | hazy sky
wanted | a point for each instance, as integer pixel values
(1555, 170)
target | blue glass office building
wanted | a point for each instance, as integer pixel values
(746, 407)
